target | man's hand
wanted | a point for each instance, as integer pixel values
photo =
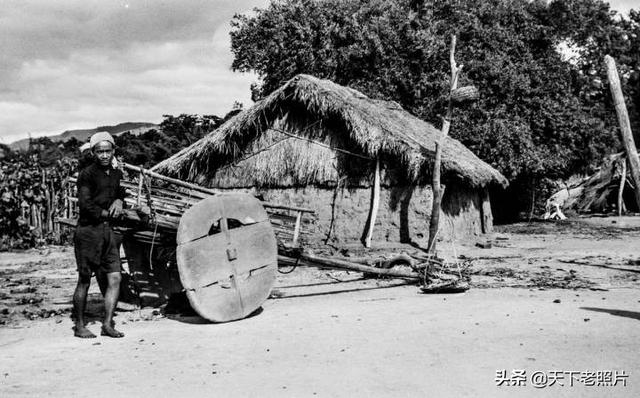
(143, 212)
(115, 210)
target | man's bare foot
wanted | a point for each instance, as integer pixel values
(110, 331)
(83, 332)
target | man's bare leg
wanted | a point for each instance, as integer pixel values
(103, 283)
(110, 302)
(79, 304)
(101, 277)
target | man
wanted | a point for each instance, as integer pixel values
(100, 199)
(86, 157)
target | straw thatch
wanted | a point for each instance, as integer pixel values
(300, 134)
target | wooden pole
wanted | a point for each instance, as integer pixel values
(435, 180)
(623, 182)
(48, 210)
(198, 188)
(375, 205)
(296, 229)
(342, 264)
(625, 125)
(175, 181)
(139, 197)
(67, 201)
(485, 211)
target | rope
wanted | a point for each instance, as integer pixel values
(322, 144)
(152, 216)
(153, 241)
(292, 268)
(234, 164)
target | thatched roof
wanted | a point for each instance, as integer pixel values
(600, 191)
(300, 134)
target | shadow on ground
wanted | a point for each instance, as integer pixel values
(627, 314)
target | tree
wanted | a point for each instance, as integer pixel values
(595, 31)
(176, 132)
(533, 119)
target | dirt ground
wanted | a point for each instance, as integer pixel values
(547, 299)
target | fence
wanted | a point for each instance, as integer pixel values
(32, 199)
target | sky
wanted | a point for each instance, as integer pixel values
(77, 64)
(84, 63)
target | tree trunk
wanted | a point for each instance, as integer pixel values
(623, 182)
(625, 125)
(435, 180)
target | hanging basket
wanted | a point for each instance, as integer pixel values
(464, 94)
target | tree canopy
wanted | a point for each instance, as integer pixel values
(541, 114)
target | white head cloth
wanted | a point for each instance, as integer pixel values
(101, 136)
(85, 147)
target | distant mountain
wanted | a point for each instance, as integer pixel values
(134, 128)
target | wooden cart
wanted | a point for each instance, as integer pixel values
(222, 249)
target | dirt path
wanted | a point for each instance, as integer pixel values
(574, 305)
(385, 342)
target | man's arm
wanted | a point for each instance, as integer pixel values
(87, 206)
(115, 210)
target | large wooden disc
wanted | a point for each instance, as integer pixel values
(227, 256)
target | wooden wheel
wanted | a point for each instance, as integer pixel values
(227, 256)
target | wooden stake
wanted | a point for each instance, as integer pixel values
(47, 210)
(296, 229)
(623, 182)
(625, 125)
(435, 180)
(375, 204)
(485, 211)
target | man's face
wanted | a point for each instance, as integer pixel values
(103, 152)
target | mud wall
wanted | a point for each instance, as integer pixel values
(403, 214)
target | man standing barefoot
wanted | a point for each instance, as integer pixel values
(100, 198)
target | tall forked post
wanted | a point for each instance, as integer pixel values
(437, 190)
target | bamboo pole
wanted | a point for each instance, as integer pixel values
(623, 182)
(435, 181)
(139, 197)
(195, 187)
(174, 181)
(375, 204)
(286, 207)
(187, 194)
(625, 125)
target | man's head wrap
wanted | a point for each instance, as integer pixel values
(99, 137)
(85, 147)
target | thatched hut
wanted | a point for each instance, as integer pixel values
(316, 144)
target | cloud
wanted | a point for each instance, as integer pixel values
(624, 6)
(78, 64)
(82, 63)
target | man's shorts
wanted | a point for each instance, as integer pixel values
(96, 249)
